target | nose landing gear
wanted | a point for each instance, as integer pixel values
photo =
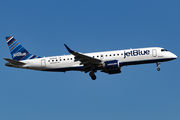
(158, 64)
(158, 69)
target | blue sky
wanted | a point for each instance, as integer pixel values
(43, 26)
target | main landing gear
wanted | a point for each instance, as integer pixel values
(158, 64)
(92, 75)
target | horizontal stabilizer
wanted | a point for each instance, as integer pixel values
(14, 62)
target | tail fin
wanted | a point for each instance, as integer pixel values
(18, 52)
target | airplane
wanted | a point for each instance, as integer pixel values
(108, 62)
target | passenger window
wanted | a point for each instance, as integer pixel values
(114, 54)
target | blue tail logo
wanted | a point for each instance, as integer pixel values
(18, 52)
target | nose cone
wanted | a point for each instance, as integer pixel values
(174, 56)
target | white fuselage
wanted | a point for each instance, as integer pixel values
(124, 57)
(109, 62)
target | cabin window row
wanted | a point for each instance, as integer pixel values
(56, 60)
(107, 55)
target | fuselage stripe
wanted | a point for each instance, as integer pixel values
(16, 49)
(30, 57)
(15, 42)
(34, 57)
(24, 56)
(10, 42)
(14, 46)
(9, 38)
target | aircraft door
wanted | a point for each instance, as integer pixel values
(43, 63)
(154, 53)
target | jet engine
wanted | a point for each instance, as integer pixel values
(111, 67)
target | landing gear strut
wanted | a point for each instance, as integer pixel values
(158, 64)
(92, 75)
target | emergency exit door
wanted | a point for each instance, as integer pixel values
(43, 63)
(154, 53)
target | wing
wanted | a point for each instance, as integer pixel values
(85, 60)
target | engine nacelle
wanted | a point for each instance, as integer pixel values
(113, 64)
(112, 67)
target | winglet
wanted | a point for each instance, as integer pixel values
(70, 51)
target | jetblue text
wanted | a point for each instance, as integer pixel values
(136, 53)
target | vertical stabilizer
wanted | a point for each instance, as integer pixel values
(18, 52)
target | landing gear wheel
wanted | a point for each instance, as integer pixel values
(158, 64)
(92, 75)
(158, 69)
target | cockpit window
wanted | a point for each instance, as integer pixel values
(162, 50)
